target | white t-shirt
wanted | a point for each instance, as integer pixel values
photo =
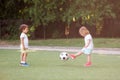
(23, 35)
(86, 39)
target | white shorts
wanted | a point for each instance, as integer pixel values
(86, 51)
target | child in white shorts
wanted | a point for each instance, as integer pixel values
(87, 49)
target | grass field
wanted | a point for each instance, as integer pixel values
(46, 65)
(98, 42)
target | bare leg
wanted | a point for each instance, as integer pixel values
(73, 56)
(88, 61)
(21, 56)
(89, 58)
(78, 54)
(25, 57)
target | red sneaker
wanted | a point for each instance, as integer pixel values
(72, 56)
(88, 64)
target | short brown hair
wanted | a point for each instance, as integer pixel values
(23, 26)
(83, 30)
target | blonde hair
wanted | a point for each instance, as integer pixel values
(84, 31)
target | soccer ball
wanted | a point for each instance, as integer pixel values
(64, 56)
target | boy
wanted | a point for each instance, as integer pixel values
(23, 44)
(87, 49)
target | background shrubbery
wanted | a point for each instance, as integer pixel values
(50, 18)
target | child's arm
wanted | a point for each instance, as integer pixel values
(22, 43)
(89, 40)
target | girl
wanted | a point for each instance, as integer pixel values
(87, 49)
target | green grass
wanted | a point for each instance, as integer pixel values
(46, 65)
(98, 42)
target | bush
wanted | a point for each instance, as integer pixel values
(9, 29)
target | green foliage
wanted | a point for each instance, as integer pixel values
(42, 12)
(45, 12)
(10, 29)
(11, 9)
(91, 12)
(13, 32)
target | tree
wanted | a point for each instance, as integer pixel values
(42, 12)
(11, 9)
(91, 12)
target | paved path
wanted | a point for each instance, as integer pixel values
(68, 49)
